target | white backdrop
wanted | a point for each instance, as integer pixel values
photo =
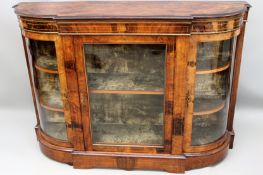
(17, 116)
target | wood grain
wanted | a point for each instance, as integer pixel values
(130, 9)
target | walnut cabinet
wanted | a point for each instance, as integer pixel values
(134, 85)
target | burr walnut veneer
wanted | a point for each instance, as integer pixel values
(134, 85)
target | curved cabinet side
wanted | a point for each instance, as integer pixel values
(198, 112)
(40, 50)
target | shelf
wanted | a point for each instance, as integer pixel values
(206, 62)
(200, 72)
(98, 91)
(51, 108)
(50, 71)
(211, 111)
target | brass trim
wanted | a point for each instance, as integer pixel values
(210, 33)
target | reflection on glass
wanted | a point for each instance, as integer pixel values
(124, 117)
(47, 87)
(125, 66)
(127, 119)
(53, 124)
(212, 55)
(45, 54)
(211, 91)
(56, 130)
(209, 128)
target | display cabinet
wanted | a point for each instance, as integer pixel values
(134, 85)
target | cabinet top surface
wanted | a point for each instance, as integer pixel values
(131, 9)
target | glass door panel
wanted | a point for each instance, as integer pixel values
(126, 92)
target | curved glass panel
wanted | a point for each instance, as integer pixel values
(208, 128)
(126, 92)
(46, 81)
(53, 124)
(45, 54)
(212, 55)
(211, 91)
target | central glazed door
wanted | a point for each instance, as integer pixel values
(126, 86)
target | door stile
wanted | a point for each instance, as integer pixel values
(180, 68)
(83, 92)
(73, 93)
(190, 89)
(169, 95)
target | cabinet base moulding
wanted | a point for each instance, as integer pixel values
(129, 161)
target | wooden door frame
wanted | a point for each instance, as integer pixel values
(169, 41)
